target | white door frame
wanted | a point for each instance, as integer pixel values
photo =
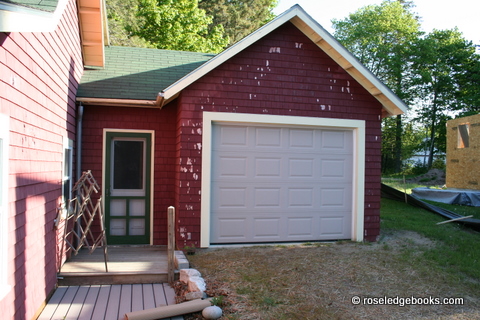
(358, 192)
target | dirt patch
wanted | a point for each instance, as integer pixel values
(434, 177)
(319, 281)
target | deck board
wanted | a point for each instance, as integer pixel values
(87, 309)
(100, 305)
(101, 302)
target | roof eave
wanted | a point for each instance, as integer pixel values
(93, 31)
(120, 102)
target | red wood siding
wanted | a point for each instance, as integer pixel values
(164, 123)
(39, 75)
(282, 74)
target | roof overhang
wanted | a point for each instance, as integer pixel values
(93, 31)
(392, 105)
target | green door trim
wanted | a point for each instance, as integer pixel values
(109, 136)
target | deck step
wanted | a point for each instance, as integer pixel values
(78, 279)
(126, 265)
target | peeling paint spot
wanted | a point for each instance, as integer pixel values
(195, 176)
(199, 146)
(322, 107)
(328, 68)
(189, 162)
(199, 130)
(343, 89)
(267, 63)
(188, 207)
(298, 45)
(331, 88)
(240, 68)
(348, 83)
(258, 82)
(348, 90)
(274, 50)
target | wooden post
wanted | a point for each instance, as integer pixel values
(171, 244)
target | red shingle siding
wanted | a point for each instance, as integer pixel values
(39, 75)
(282, 74)
(163, 123)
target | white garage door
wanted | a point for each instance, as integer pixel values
(273, 184)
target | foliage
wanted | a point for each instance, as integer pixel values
(239, 18)
(437, 73)
(443, 60)
(121, 13)
(380, 36)
(177, 25)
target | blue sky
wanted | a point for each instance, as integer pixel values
(435, 14)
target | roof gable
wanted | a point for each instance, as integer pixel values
(152, 77)
(392, 105)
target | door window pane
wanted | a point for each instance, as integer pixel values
(137, 227)
(118, 207)
(128, 164)
(137, 207)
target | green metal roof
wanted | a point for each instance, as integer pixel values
(44, 5)
(138, 73)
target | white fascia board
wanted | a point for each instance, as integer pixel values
(14, 18)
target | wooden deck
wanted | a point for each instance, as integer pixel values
(126, 265)
(106, 302)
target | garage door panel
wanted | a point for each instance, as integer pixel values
(300, 227)
(230, 197)
(335, 169)
(287, 184)
(268, 167)
(231, 230)
(268, 138)
(301, 197)
(266, 229)
(228, 166)
(336, 141)
(301, 167)
(232, 136)
(265, 197)
(302, 138)
(334, 198)
(334, 227)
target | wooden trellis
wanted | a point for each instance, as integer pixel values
(83, 211)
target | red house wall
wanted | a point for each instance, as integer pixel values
(39, 75)
(163, 122)
(282, 74)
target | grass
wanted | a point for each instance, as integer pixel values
(458, 251)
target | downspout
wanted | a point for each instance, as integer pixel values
(79, 141)
(79, 153)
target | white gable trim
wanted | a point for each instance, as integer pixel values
(392, 104)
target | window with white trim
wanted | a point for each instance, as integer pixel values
(67, 174)
(4, 143)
